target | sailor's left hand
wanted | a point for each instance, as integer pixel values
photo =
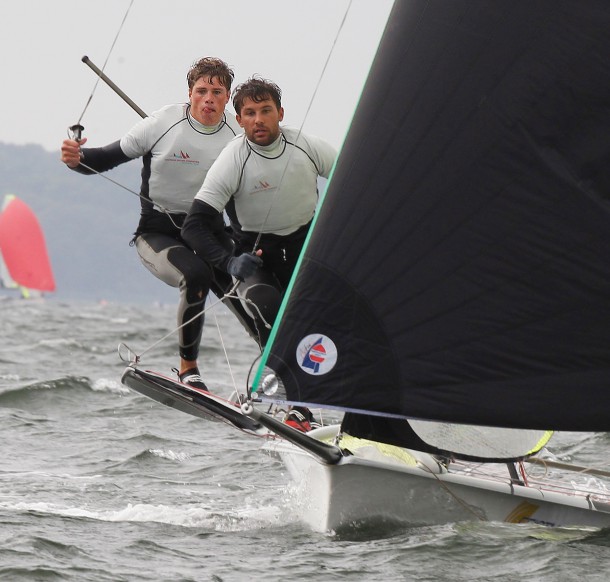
(244, 265)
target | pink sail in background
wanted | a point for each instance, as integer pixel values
(23, 248)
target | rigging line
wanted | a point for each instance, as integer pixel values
(469, 509)
(105, 62)
(200, 314)
(313, 96)
(229, 295)
(332, 49)
(161, 208)
(224, 349)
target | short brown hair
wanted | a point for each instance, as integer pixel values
(210, 67)
(258, 90)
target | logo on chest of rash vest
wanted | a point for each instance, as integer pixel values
(262, 185)
(316, 354)
(182, 156)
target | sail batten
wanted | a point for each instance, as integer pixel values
(471, 280)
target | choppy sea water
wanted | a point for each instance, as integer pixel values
(98, 483)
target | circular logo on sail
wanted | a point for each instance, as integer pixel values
(316, 354)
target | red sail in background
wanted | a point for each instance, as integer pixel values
(23, 247)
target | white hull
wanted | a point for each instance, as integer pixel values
(360, 489)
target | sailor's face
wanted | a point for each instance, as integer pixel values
(260, 120)
(208, 100)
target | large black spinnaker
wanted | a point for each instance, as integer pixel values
(459, 267)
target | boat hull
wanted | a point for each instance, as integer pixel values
(358, 490)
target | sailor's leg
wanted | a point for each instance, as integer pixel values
(262, 297)
(176, 265)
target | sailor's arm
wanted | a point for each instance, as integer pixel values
(201, 231)
(98, 159)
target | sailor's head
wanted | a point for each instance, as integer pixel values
(209, 80)
(258, 104)
(210, 68)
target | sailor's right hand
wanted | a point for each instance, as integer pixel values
(70, 152)
(244, 266)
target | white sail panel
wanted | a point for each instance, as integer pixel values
(481, 441)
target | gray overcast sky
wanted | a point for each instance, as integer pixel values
(45, 86)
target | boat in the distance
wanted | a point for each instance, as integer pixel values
(24, 260)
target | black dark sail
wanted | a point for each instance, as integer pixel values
(460, 261)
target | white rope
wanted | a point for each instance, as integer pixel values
(229, 295)
(167, 335)
(224, 349)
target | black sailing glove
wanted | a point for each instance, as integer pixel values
(244, 266)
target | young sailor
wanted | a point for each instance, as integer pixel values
(178, 145)
(267, 181)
